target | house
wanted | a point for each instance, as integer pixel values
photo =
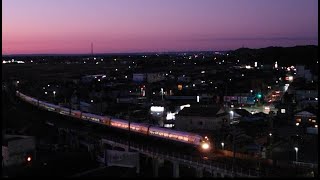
(17, 149)
(201, 118)
(306, 117)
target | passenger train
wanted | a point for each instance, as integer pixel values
(202, 143)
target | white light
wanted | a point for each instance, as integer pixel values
(316, 126)
(54, 92)
(202, 72)
(205, 146)
(91, 101)
(270, 134)
(48, 85)
(17, 82)
(251, 91)
(255, 64)
(183, 106)
(116, 69)
(126, 77)
(296, 149)
(157, 108)
(316, 99)
(29, 159)
(99, 80)
(297, 124)
(170, 116)
(198, 98)
(231, 114)
(46, 92)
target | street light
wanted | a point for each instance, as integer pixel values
(297, 124)
(270, 134)
(54, 95)
(296, 149)
(222, 144)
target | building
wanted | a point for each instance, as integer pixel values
(139, 77)
(148, 77)
(306, 118)
(304, 73)
(201, 118)
(17, 149)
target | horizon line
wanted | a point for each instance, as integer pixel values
(143, 52)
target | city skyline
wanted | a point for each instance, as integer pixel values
(69, 27)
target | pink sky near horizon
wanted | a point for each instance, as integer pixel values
(69, 26)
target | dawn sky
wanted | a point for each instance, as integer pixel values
(69, 26)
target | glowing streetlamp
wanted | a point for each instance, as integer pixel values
(54, 95)
(296, 149)
(222, 145)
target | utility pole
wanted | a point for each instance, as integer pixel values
(234, 148)
(92, 49)
(129, 129)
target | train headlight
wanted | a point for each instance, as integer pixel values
(205, 146)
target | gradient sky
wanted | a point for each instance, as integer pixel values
(69, 26)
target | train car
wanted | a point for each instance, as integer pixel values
(139, 128)
(105, 120)
(202, 143)
(185, 137)
(49, 107)
(76, 114)
(65, 111)
(119, 123)
(27, 98)
(91, 117)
